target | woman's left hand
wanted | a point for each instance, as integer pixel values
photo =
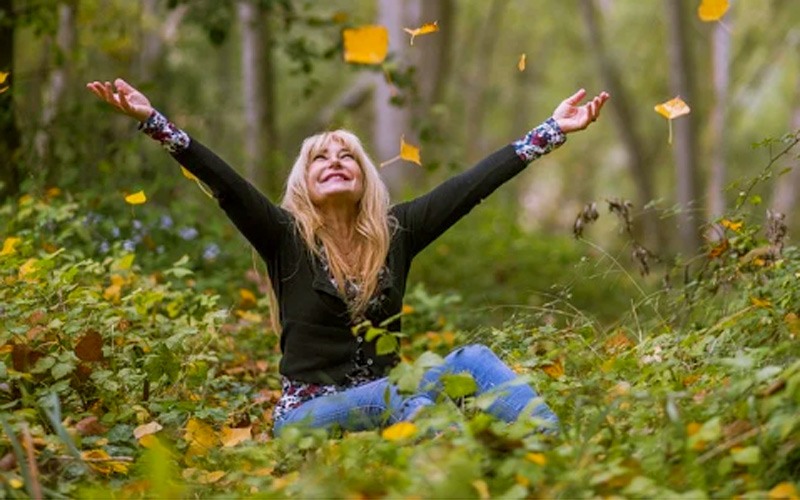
(571, 117)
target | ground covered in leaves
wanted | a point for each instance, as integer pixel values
(118, 381)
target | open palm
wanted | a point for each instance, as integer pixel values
(571, 116)
(126, 99)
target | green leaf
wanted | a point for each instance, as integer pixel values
(459, 385)
(750, 455)
(386, 344)
(123, 263)
(62, 370)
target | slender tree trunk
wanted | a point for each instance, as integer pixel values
(390, 121)
(432, 54)
(157, 35)
(258, 85)
(621, 111)
(721, 58)
(476, 87)
(784, 197)
(56, 90)
(684, 139)
(10, 169)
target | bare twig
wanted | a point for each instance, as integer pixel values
(35, 487)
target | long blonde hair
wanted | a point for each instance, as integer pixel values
(372, 233)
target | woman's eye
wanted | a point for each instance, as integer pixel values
(348, 155)
(319, 157)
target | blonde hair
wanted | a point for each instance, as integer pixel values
(372, 233)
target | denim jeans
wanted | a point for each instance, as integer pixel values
(379, 403)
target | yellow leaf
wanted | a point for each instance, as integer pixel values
(3, 77)
(28, 267)
(210, 477)
(15, 483)
(149, 441)
(248, 297)
(112, 293)
(712, 10)
(422, 30)
(102, 462)
(146, 429)
(249, 316)
(188, 174)
(762, 303)
(733, 226)
(52, 192)
(232, 436)
(537, 458)
(784, 491)
(200, 437)
(793, 323)
(554, 369)
(136, 198)
(9, 245)
(407, 309)
(366, 44)
(521, 63)
(482, 488)
(399, 431)
(673, 108)
(409, 152)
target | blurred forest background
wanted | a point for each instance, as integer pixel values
(252, 78)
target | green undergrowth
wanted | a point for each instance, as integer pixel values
(120, 381)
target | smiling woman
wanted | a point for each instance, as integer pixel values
(338, 256)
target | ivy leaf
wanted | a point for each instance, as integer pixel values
(712, 10)
(422, 30)
(366, 44)
(136, 198)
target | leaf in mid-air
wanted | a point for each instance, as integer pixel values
(521, 64)
(409, 152)
(366, 44)
(3, 78)
(712, 10)
(673, 108)
(136, 198)
(422, 30)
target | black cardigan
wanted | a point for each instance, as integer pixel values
(317, 341)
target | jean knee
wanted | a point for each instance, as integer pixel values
(473, 352)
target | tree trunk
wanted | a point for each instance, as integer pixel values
(156, 36)
(258, 93)
(476, 87)
(684, 144)
(390, 121)
(621, 111)
(721, 58)
(56, 90)
(784, 197)
(432, 54)
(10, 169)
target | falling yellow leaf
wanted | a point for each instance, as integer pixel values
(3, 77)
(712, 10)
(422, 30)
(536, 458)
(15, 483)
(399, 431)
(136, 198)
(733, 226)
(784, 491)
(188, 174)
(407, 309)
(366, 44)
(9, 245)
(232, 436)
(409, 152)
(146, 429)
(673, 108)
(521, 63)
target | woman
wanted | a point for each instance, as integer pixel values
(338, 255)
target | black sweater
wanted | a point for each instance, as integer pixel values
(317, 342)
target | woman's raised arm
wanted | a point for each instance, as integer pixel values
(259, 220)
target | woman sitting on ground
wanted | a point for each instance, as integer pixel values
(338, 255)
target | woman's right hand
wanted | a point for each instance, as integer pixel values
(126, 99)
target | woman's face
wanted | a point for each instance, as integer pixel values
(334, 176)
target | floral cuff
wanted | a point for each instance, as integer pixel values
(164, 131)
(540, 141)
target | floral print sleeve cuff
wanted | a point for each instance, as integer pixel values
(540, 141)
(164, 131)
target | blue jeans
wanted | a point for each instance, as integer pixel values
(379, 403)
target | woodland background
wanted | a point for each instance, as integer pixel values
(680, 300)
